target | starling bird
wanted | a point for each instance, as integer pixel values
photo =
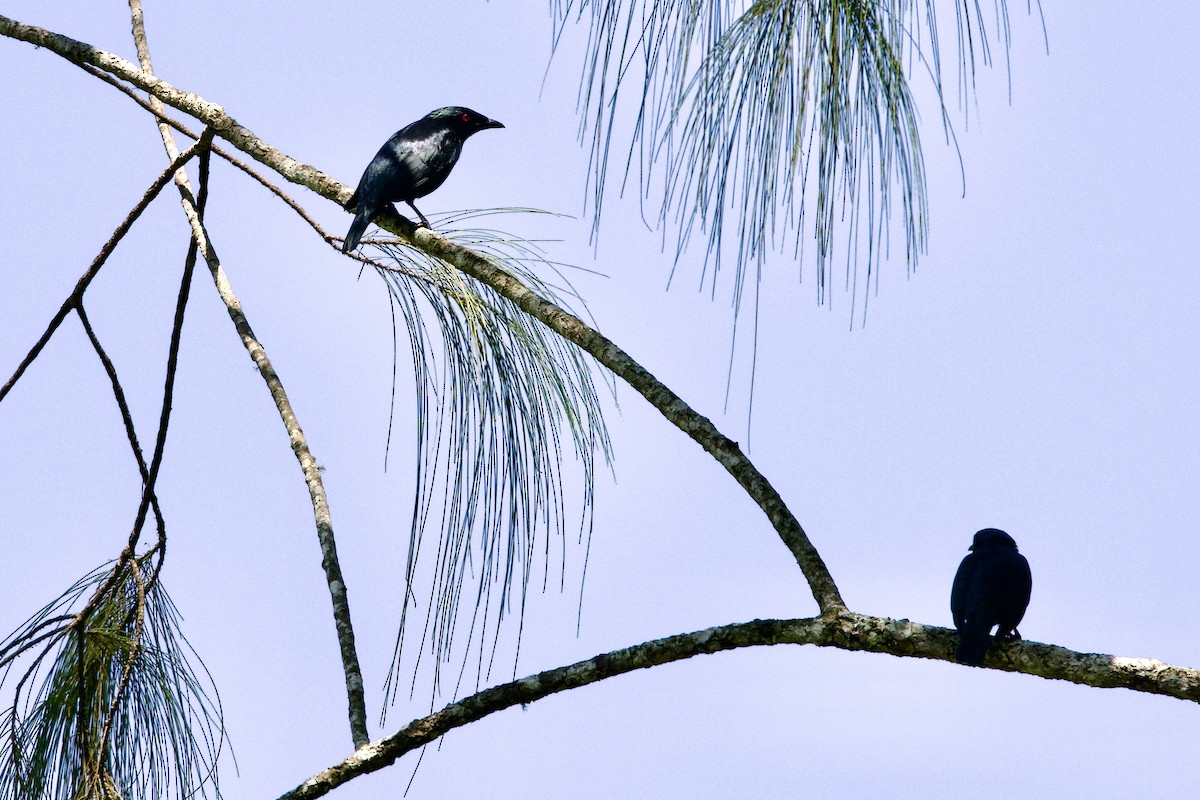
(991, 589)
(412, 164)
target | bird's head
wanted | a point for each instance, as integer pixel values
(464, 120)
(992, 537)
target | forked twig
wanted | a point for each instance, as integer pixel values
(81, 286)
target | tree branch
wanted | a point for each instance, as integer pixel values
(698, 427)
(308, 464)
(312, 478)
(847, 631)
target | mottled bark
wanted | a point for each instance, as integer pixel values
(847, 631)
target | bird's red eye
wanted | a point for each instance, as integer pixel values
(466, 117)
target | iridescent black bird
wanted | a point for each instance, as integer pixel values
(411, 164)
(991, 589)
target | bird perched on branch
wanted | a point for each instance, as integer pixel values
(991, 588)
(411, 164)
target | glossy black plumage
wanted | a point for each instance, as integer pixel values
(411, 164)
(991, 588)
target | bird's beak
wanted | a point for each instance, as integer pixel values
(491, 123)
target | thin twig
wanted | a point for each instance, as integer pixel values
(81, 687)
(308, 464)
(29, 630)
(32, 669)
(185, 286)
(82, 284)
(126, 418)
(160, 442)
(334, 241)
(24, 643)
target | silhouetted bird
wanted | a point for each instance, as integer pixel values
(991, 589)
(414, 162)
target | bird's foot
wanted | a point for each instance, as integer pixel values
(424, 222)
(418, 224)
(1012, 636)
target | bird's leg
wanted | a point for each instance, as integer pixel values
(424, 221)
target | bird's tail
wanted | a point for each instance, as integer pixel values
(973, 643)
(362, 218)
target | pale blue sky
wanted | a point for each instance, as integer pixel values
(1037, 373)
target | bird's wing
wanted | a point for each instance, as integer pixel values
(385, 180)
(411, 164)
(1013, 585)
(1025, 578)
(429, 160)
(960, 591)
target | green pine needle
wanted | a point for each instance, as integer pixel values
(112, 705)
(500, 401)
(775, 122)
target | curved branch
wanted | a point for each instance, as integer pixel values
(194, 211)
(312, 478)
(699, 428)
(847, 631)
